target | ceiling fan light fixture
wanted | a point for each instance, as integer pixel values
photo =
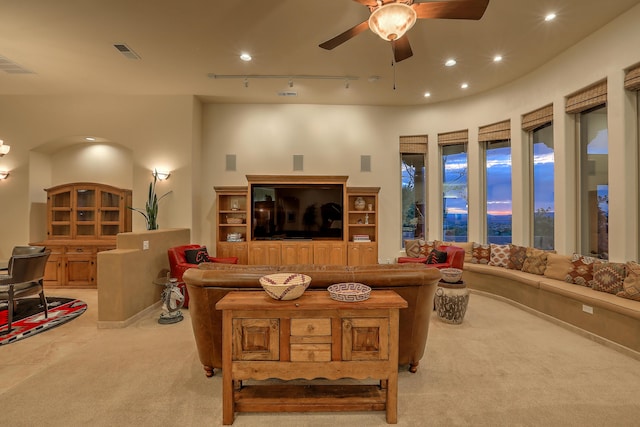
(391, 21)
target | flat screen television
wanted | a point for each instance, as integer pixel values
(296, 211)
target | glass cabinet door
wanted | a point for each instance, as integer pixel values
(85, 215)
(60, 215)
(109, 213)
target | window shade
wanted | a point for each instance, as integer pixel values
(495, 132)
(414, 144)
(450, 138)
(587, 98)
(632, 78)
(537, 118)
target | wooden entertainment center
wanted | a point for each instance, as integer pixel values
(237, 215)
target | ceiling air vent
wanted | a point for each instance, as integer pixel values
(287, 93)
(126, 51)
(11, 67)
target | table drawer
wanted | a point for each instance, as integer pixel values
(310, 327)
(310, 352)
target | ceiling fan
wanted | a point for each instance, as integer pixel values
(391, 19)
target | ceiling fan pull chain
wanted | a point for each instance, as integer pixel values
(393, 65)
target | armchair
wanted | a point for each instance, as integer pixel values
(26, 273)
(178, 264)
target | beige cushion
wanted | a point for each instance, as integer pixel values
(631, 284)
(420, 248)
(558, 266)
(500, 255)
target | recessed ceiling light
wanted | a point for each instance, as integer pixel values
(450, 62)
(497, 58)
(427, 94)
(245, 57)
(464, 85)
(89, 138)
(550, 17)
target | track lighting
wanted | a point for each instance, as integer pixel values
(246, 82)
(290, 83)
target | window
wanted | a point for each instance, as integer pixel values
(414, 184)
(594, 183)
(498, 191)
(454, 193)
(542, 188)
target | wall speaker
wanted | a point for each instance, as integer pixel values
(230, 165)
(365, 163)
(297, 162)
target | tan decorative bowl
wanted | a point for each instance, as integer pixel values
(349, 292)
(285, 286)
(451, 275)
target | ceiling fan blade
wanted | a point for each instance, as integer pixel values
(401, 48)
(453, 9)
(347, 35)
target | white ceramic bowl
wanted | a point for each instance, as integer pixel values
(349, 292)
(285, 286)
(451, 275)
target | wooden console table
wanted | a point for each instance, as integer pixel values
(309, 338)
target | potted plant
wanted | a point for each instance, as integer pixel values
(150, 213)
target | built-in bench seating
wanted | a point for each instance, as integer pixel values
(602, 298)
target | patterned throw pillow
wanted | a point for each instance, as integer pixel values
(581, 272)
(412, 247)
(480, 254)
(517, 255)
(535, 264)
(436, 257)
(608, 277)
(499, 255)
(631, 284)
(196, 256)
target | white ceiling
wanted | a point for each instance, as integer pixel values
(68, 45)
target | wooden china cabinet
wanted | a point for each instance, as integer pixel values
(82, 220)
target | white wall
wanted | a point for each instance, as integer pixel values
(176, 133)
(264, 137)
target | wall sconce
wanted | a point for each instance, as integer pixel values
(4, 149)
(161, 175)
(4, 175)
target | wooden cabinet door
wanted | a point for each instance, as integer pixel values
(329, 253)
(365, 338)
(297, 253)
(265, 253)
(54, 271)
(232, 249)
(80, 267)
(363, 253)
(256, 339)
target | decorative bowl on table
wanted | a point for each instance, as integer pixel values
(285, 286)
(349, 292)
(451, 275)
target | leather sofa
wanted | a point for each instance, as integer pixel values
(208, 283)
(178, 265)
(455, 258)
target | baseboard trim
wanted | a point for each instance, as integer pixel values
(118, 324)
(589, 335)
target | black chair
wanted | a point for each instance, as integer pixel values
(23, 250)
(25, 278)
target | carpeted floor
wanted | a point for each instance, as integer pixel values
(501, 367)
